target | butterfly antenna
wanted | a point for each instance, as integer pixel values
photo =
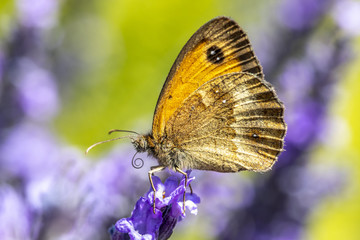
(110, 140)
(119, 130)
(98, 143)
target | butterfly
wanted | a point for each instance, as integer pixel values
(215, 111)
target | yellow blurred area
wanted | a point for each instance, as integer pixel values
(6, 17)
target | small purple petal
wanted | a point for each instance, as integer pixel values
(171, 184)
(190, 203)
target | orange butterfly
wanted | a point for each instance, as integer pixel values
(215, 111)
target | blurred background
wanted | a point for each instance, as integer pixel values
(72, 70)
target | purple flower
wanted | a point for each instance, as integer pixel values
(145, 224)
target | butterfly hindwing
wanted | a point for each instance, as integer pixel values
(217, 48)
(236, 124)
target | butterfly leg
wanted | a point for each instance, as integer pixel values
(186, 179)
(153, 170)
(191, 191)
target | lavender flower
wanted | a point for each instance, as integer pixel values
(145, 224)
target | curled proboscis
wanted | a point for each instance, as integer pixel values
(137, 162)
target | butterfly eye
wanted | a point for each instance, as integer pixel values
(215, 55)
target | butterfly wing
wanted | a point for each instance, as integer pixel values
(218, 47)
(236, 123)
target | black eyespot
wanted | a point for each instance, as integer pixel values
(215, 55)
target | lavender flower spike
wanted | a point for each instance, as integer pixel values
(144, 224)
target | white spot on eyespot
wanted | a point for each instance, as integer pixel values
(218, 59)
(224, 101)
(212, 52)
(217, 91)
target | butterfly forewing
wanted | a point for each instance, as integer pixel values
(231, 123)
(217, 48)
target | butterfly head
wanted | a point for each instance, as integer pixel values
(140, 143)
